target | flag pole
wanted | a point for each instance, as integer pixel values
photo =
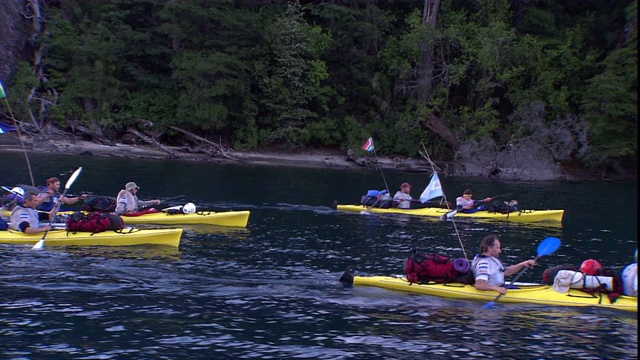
(433, 168)
(381, 172)
(4, 96)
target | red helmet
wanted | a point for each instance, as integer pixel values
(590, 267)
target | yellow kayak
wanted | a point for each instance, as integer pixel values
(516, 216)
(530, 294)
(125, 237)
(225, 218)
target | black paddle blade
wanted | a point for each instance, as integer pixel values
(347, 276)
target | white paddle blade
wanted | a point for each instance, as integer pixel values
(73, 178)
(40, 244)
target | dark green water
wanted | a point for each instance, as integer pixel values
(271, 290)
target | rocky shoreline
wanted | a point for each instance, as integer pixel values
(312, 159)
(318, 159)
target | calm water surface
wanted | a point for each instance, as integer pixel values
(272, 290)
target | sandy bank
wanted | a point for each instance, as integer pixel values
(319, 159)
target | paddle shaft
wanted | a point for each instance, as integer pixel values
(454, 212)
(73, 177)
(53, 213)
(515, 279)
(162, 201)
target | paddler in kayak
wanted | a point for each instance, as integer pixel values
(488, 270)
(26, 218)
(49, 196)
(402, 199)
(127, 200)
(466, 203)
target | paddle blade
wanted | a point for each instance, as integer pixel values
(450, 215)
(548, 246)
(490, 304)
(39, 245)
(72, 178)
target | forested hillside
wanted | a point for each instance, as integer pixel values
(496, 85)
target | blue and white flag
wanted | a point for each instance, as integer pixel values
(433, 190)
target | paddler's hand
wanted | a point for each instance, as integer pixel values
(501, 290)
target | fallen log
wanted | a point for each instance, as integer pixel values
(194, 137)
(94, 135)
(153, 141)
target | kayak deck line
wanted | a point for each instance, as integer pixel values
(539, 294)
(125, 237)
(515, 216)
(232, 218)
(224, 218)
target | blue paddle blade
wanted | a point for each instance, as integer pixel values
(489, 304)
(548, 246)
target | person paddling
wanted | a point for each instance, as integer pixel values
(488, 270)
(402, 199)
(25, 218)
(466, 203)
(49, 197)
(127, 200)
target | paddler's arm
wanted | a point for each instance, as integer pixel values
(483, 285)
(512, 269)
(73, 200)
(26, 228)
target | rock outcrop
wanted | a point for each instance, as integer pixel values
(13, 36)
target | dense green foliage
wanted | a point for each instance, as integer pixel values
(291, 75)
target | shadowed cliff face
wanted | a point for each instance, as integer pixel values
(13, 36)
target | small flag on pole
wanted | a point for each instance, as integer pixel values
(368, 146)
(433, 190)
(2, 94)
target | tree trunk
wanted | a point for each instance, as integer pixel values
(425, 72)
(438, 126)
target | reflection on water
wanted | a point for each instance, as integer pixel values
(271, 290)
(141, 252)
(428, 326)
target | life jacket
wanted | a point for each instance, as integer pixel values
(94, 222)
(99, 203)
(424, 268)
(3, 225)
